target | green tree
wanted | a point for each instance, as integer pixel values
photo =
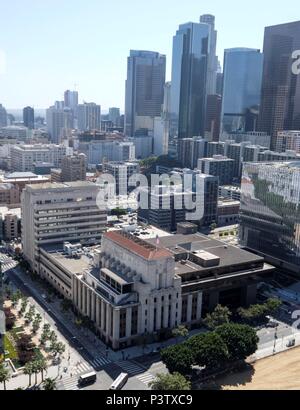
(178, 358)
(49, 384)
(209, 350)
(16, 296)
(4, 375)
(24, 304)
(272, 305)
(29, 370)
(180, 331)
(35, 326)
(53, 337)
(30, 314)
(175, 381)
(241, 340)
(57, 348)
(42, 366)
(218, 317)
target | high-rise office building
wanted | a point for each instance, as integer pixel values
(270, 218)
(3, 116)
(146, 72)
(189, 79)
(114, 116)
(59, 121)
(212, 65)
(213, 117)
(280, 108)
(89, 117)
(28, 117)
(241, 87)
(71, 100)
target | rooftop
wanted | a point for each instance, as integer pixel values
(62, 185)
(142, 248)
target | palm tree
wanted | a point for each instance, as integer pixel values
(28, 370)
(36, 369)
(4, 375)
(49, 384)
(42, 363)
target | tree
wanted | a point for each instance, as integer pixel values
(49, 384)
(272, 305)
(16, 296)
(24, 305)
(53, 337)
(241, 340)
(57, 348)
(179, 358)
(209, 350)
(30, 314)
(4, 375)
(175, 381)
(218, 317)
(42, 366)
(35, 326)
(180, 331)
(28, 371)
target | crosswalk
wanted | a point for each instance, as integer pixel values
(146, 378)
(100, 362)
(131, 368)
(70, 383)
(83, 368)
(7, 264)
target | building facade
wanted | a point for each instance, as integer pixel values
(270, 212)
(280, 109)
(146, 72)
(189, 79)
(59, 212)
(241, 87)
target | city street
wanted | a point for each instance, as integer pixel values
(84, 352)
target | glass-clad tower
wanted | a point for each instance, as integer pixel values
(189, 80)
(280, 102)
(270, 212)
(146, 76)
(241, 87)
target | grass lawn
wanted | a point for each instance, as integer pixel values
(8, 346)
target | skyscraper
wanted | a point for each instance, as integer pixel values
(213, 117)
(146, 72)
(3, 116)
(71, 99)
(189, 75)
(89, 117)
(114, 116)
(28, 117)
(58, 121)
(241, 87)
(280, 107)
(212, 64)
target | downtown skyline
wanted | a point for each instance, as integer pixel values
(61, 68)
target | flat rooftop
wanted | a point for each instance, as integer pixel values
(63, 185)
(182, 244)
(76, 266)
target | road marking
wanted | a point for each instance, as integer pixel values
(130, 368)
(146, 378)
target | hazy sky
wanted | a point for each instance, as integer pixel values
(50, 45)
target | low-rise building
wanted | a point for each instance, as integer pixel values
(228, 212)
